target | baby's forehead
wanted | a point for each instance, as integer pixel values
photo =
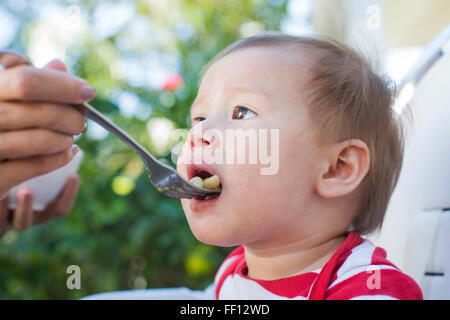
(263, 58)
(271, 67)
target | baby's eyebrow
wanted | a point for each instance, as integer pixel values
(249, 89)
(243, 89)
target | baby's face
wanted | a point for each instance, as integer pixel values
(258, 90)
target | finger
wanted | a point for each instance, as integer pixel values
(66, 200)
(27, 83)
(63, 204)
(32, 142)
(15, 172)
(58, 117)
(4, 213)
(56, 64)
(23, 214)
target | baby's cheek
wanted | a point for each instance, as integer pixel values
(183, 160)
(249, 189)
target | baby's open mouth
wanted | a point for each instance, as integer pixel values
(204, 179)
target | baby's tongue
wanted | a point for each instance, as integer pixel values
(203, 174)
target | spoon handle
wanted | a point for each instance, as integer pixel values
(91, 113)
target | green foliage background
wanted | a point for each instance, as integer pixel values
(129, 236)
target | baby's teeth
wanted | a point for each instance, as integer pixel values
(211, 182)
(196, 181)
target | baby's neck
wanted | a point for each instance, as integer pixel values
(281, 261)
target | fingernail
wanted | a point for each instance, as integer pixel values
(87, 92)
(27, 198)
(73, 182)
(75, 149)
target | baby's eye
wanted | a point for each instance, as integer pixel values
(241, 112)
(196, 120)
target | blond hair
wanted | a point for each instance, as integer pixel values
(348, 100)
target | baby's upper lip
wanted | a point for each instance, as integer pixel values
(193, 168)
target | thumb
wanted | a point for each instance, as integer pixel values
(56, 64)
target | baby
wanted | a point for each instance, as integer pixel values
(339, 149)
(335, 156)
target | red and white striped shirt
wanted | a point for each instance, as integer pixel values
(357, 270)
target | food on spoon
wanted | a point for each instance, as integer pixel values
(212, 182)
(196, 181)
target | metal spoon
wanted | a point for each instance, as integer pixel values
(165, 179)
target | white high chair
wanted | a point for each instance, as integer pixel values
(416, 230)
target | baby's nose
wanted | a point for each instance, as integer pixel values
(199, 142)
(202, 141)
(199, 138)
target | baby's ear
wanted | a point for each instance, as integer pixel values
(347, 165)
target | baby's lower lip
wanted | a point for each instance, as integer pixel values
(198, 205)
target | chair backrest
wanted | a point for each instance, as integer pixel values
(416, 230)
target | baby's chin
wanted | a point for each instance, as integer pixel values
(241, 214)
(218, 226)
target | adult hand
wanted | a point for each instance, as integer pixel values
(37, 125)
(23, 216)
